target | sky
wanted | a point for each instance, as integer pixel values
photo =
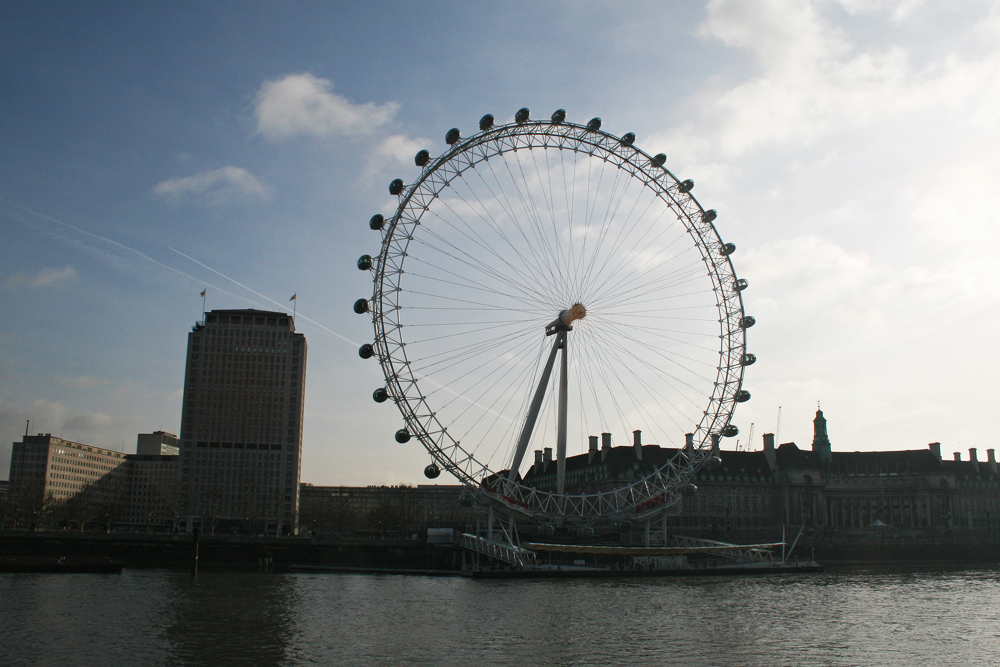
(149, 151)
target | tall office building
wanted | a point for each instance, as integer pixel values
(241, 425)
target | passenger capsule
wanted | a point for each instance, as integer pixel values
(689, 489)
(742, 396)
(594, 124)
(402, 436)
(486, 122)
(547, 529)
(432, 471)
(521, 116)
(396, 186)
(453, 136)
(660, 159)
(365, 262)
(686, 186)
(361, 306)
(727, 249)
(747, 322)
(466, 500)
(709, 215)
(558, 116)
(587, 531)
(741, 284)
(366, 351)
(628, 139)
(380, 395)
(749, 359)
(730, 431)
(422, 158)
(713, 462)
(377, 222)
(624, 524)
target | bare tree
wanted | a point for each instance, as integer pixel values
(210, 507)
(334, 514)
(275, 509)
(83, 506)
(29, 504)
(113, 499)
(393, 514)
(175, 502)
(6, 510)
(252, 504)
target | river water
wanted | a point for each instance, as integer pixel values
(913, 617)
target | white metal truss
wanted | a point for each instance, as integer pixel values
(655, 491)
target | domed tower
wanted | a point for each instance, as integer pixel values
(821, 442)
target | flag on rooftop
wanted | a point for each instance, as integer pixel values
(293, 296)
(203, 291)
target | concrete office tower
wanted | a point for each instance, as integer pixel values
(241, 425)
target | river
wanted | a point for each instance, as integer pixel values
(856, 616)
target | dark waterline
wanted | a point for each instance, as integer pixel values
(857, 616)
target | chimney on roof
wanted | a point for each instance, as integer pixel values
(974, 459)
(935, 448)
(769, 455)
(605, 445)
(715, 444)
(958, 456)
(637, 444)
(592, 452)
(689, 443)
(538, 461)
(991, 460)
(546, 458)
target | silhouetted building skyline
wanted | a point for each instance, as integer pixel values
(241, 419)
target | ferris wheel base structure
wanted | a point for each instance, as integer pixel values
(531, 220)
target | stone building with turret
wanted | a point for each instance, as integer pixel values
(754, 496)
(845, 496)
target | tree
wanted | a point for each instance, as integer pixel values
(251, 503)
(394, 513)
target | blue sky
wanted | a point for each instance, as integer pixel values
(151, 150)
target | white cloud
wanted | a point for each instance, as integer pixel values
(43, 278)
(303, 105)
(220, 186)
(392, 152)
(84, 382)
(890, 351)
(89, 421)
(53, 417)
(898, 9)
(812, 79)
(399, 148)
(822, 291)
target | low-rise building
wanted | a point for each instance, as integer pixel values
(157, 443)
(155, 502)
(383, 511)
(47, 472)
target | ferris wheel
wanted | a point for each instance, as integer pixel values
(539, 240)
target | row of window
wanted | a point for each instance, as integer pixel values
(259, 320)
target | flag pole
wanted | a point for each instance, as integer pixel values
(295, 305)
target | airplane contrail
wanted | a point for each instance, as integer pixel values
(111, 242)
(263, 296)
(146, 257)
